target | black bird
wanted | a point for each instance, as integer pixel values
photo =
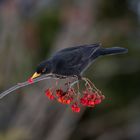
(73, 61)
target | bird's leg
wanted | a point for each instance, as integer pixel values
(79, 77)
(56, 82)
(60, 76)
(73, 83)
(78, 87)
(68, 82)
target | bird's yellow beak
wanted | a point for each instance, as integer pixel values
(35, 75)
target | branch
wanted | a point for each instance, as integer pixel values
(26, 83)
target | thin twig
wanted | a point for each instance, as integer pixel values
(72, 84)
(26, 83)
(87, 83)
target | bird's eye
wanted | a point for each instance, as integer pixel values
(43, 70)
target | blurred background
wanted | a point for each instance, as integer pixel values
(32, 30)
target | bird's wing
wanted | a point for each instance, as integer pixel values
(76, 48)
(72, 57)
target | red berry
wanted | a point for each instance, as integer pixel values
(68, 101)
(48, 92)
(51, 97)
(59, 92)
(97, 101)
(88, 96)
(83, 101)
(77, 109)
(102, 97)
(30, 80)
(93, 96)
(71, 99)
(60, 100)
(91, 103)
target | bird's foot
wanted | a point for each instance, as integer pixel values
(60, 76)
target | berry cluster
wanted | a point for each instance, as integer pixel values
(63, 97)
(49, 94)
(89, 97)
(75, 107)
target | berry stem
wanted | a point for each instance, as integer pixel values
(72, 84)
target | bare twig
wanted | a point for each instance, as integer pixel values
(26, 83)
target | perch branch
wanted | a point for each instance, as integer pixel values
(26, 83)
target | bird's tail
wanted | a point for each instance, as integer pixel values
(113, 51)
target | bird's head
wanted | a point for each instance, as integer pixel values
(44, 67)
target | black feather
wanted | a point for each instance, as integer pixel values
(73, 61)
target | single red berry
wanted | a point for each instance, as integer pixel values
(51, 97)
(68, 101)
(85, 95)
(48, 92)
(83, 101)
(71, 99)
(102, 97)
(60, 100)
(93, 96)
(89, 96)
(59, 92)
(77, 109)
(97, 101)
(91, 103)
(30, 80)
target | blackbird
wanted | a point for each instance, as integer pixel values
(73, 61)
